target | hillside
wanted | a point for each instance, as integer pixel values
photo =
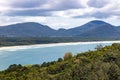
(101, 64)
(88, 27)
(29, 29)
(92, 29)
(104, 31)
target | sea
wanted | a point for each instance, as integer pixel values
(37, 54)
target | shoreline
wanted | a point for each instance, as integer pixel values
(21, 47)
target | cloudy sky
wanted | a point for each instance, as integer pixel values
(59, 13)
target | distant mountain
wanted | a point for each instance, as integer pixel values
(118, 28)
(86, 27)
(29, 29)
(102, 32)
(92, 29)
(100, 29)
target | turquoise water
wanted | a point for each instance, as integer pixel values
(40, 55)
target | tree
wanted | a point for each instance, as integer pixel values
(67, 55)
(98, 47)
(60, 59)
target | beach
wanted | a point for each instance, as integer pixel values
(15, 48)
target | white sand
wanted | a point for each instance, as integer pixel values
(15, 48)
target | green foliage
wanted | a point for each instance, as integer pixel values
(13, 41)
(60, 59)
(101, 64)
(98, 47)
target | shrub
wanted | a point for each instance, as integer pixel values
(67, 55)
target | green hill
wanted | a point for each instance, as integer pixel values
(101, 64)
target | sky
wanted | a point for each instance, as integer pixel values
(59, 13)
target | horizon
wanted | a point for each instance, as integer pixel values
(59, 13)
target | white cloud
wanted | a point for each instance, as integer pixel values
(59, 13)
(61, 8)
(74, 12)
(39, 19)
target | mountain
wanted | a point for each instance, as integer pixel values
(102, 32)
(118, 28)
(29, 29)
(92, 29)
(86, 27)
(100, 29)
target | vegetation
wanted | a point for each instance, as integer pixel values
(101, 64)
(67, 56)
(13, 41)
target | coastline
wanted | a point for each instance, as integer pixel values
(21, 47)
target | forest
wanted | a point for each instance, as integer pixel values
(15, 41)
(101, 64)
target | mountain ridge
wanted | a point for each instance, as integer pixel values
(95, 28)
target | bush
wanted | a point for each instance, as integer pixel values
(67, 55)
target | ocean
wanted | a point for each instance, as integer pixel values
(37, 54)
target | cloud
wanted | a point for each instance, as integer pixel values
(65, 5)
(34, 12)
(97, 3)
(38, 7)
(59, 13)
(99, 9)
(100, 15)
(108, 9)
(47, 4)
(26, 3)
